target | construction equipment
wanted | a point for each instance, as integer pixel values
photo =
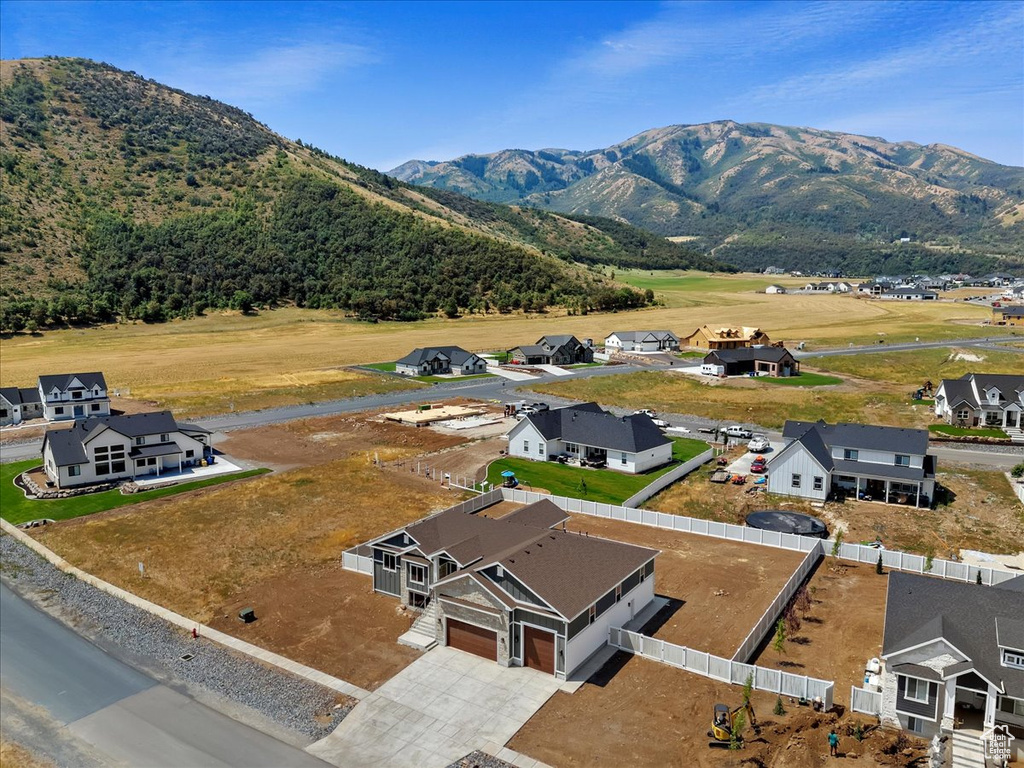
(724, 722)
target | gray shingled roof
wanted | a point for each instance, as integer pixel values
(920, 609)
(743, 354)
(558, 340)
(20, 395)
(1012, 311)
(961, 390)
(587, 424)
(532, 350)
(68, 445)
(63, 380)
(457, 355)
(542, 514)
(640, 335)
(867, 437)
(418, 356)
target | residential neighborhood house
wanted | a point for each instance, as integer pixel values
(18, 404)
(641, 341)
(765, 361)
(74, 396)
(982, 400)
(433, 361)
(553, 350)
(953, 657)
(102, 449)
(514, 590)
(888, 464)
(707, 337)
(911, 293)
(774, 289)
(587, 433)
(1013, 315)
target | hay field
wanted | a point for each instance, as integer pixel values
(914, 368)
(206, 364)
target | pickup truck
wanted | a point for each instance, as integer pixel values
(735, 430)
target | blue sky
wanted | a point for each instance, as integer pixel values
(380, 83)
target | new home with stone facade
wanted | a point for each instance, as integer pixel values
(516, 590)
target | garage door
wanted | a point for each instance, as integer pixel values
(539, 649)
(472, 639)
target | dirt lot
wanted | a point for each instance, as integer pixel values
(639, 712)
(691, 569)
(841, 631)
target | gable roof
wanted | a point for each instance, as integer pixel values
(68, 445)
(967, 388)
(743, 354)
(1011, 311)
(19, 395)
(727, 333)
(588, 424)
(63, 380)
(642, 335)
(866, 437)
(419, 356)
(920, 609)
(558, 340)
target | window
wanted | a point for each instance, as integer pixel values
(916, 690)
(618, 593)
(59, 410)
(94, 407)
(592, 614)
(140, 462)
(1011, 706)
(902, 460)
(163, 438)
(526, 446)
(850, 454)
(140, 441)
(103, 469)
(1013, 659)
(74, 470)
(390, 562)
(963, 414)
(795, 482)
(417, 574)
(3, 413)
(914, 724)
(76, 395)
(624, 457)
(540, 449)
(101, 450)
(117, 467)
(189, 454)
(819, 483)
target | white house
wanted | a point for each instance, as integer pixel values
(440, 360)
(103, 449)
(74, 396)
(911, 293)
(18, 404)
(641, 341)
(982, 400)
(774, 289)
(867, 462)
(631, 444)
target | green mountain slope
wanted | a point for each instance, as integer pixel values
(759, 194)
(122, 197)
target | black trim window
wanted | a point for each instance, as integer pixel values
(189, 454)
(795, 482)
(592, 614)
(390, 562)
(103, 469)
(140, 441)
(819, 483)
(74, 470)
(624, 457)
(94, 407)
(850, 454)
(59, 410)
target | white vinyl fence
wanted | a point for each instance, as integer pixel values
(350, 561)
(668, 478)
(904, 561)
(482, 501)
(726, 670)
(771, 616)
(865, 701)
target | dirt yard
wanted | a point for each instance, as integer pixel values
(842, 629)
(639, 712)
(719, 589)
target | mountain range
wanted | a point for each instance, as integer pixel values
(758, 194)
(123, 198)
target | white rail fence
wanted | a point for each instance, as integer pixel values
(771, 616)
(725, 670)
(865, 701)
(668, 478)
(859, 553)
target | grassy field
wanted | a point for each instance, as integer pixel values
(743, 400)
(948, 429)
(226, 360)
(604, 485)
(805, 379)
(17, 509)
(915, 368)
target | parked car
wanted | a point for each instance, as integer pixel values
(660, 423)
(735, 430)
(645, 412)
(535, 408)
(759, 444)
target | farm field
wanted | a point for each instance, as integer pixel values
(639, 712)
(691, 569)
(840, 632)
(603, 485)
(226, 360)
(914, 368)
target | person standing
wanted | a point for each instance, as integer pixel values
(833, 743)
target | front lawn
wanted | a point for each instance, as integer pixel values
(803, 380)
(603, 485)
(946, 429)
(16, 509)
(384, 367)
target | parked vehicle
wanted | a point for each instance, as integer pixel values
(660, 423)
(707, 430)
(735, 430)
(759, 444)
(645, 412)
(535, 408)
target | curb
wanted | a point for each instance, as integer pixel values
(267, 657)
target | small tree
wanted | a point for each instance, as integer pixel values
(858, 732)
(736, 732)
(779, 709)
(928, 561)
(1018, 470)
(977, 579)
(748, 688)
(779, 643)
(837, 543)
(792, 621)
(582, 487)
(878, 565)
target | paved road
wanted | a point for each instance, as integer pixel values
(910, 346)
(124, 716)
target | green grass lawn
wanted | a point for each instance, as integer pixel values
(947, 429)
(691, 355)
(17, 509)
(390, 368)
(603, 485)
(803, 380)
(385, 367)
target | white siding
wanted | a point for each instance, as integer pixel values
(796, 460)
(581, 647)
(525, 434)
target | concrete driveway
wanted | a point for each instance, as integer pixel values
(441, 707)
(741, 466)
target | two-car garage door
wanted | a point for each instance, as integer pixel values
(473, 639)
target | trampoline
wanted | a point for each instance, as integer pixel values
(784, 521)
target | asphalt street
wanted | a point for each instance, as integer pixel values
(125, 716)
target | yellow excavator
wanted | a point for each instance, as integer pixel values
(724, 722)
